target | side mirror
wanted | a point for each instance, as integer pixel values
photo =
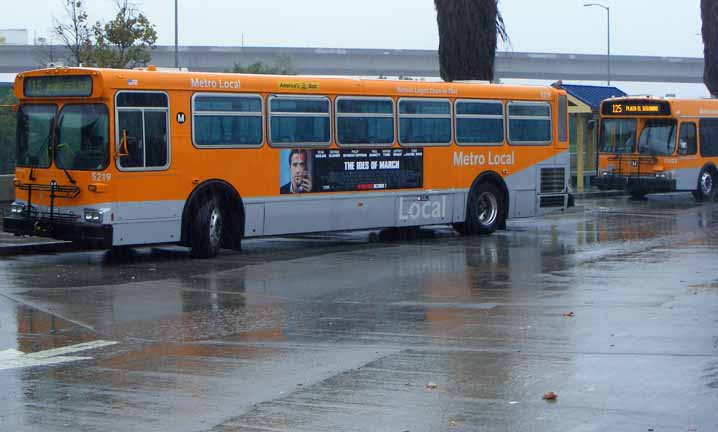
(591, 124)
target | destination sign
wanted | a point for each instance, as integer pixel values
(58, 86)
(636, 108)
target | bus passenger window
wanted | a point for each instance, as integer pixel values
(156, 139)
(227, 120)
(479, 123)
(365, 121)
(424, 122)
(709, 136)
(131, 123)
(687, 143)
(529, 123)
(299, 121)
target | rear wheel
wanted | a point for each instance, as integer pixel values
(486, 210)
(706, 189)
(207, 228)
(638, 195)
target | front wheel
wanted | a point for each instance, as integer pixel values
(486, 210)
(706, 189)
(206, 235)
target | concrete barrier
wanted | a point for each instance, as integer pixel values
(7, 191)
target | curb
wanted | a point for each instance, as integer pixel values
(600, 194)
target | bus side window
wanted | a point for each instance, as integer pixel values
(529, 123)
(131, 123)
(687, 144)
(156, 138)
(709, 136)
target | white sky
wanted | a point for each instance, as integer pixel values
(638, 27)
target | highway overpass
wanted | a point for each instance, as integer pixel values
(376, 62)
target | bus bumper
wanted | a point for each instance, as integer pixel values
(610, 182)
(648, 185)
(86, 234)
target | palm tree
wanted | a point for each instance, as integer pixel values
(468, 34)
(709, 13)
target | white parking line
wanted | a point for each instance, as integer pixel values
(13, 359)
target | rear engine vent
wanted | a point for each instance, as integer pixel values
(552, 180)
(552, 201)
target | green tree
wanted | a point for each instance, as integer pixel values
(75, 31)
(709, 13)
(124, 42)
(7, 131)
(468, 36)
(282, 66)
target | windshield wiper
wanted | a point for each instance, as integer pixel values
(67, 173)
(55, 153)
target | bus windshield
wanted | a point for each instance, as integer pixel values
(658, 138)
(82, 137)
(618, 135)
(34, 126)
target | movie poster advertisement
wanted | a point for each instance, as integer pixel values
(340, 170)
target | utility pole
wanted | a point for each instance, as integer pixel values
(176, 38)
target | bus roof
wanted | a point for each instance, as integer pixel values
(151, 79)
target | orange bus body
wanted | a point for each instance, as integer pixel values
(655, 145)
(123, 202)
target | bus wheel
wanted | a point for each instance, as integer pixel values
(460, 228)
(206, 235)
(638, 195)
(485, 213)
(706, 185)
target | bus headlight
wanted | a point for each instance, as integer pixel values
(93, 216)
(16, 209)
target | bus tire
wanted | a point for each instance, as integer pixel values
(638, 195)
(485, 211)
(706, 189)
(206, 230)
(460, 228)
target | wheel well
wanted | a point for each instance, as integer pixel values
(710, 167)
(229, 199)
(496, 180)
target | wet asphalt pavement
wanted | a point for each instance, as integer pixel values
(612, 306)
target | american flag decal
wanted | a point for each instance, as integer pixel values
(132, 82)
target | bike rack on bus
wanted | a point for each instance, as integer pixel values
(638, 159)
(56, 191)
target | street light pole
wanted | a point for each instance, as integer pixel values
(176, 38)
(608, 32)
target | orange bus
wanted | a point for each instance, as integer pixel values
(653, 145)
(117, 158)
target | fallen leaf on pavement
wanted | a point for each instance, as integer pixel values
(550, 396)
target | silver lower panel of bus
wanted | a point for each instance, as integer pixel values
(536, 190)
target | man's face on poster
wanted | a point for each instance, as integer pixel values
(298, 170)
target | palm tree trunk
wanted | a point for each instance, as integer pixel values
(468, 34)
(709, 12)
